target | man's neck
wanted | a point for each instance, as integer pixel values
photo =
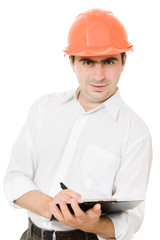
(90, 105)
(87, 105)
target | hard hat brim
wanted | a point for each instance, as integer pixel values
(98, 52)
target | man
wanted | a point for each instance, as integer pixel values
(89, 139)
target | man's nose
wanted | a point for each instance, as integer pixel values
(99, 73)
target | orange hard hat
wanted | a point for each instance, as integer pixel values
(97, 33)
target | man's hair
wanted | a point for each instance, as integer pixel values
(122, 57)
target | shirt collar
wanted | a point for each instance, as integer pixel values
(70, 95)
(112, 104)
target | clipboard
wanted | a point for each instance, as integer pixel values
(107, 206)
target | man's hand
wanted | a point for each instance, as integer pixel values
(85, 221)
(66, 196)
(88, 221)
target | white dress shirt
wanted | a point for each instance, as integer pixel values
(102, 153)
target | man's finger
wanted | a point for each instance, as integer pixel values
(62, 197)
(97, 207)
(73, 194)
(77, 210)
(56, 212)
(96, 210)
(68, 216)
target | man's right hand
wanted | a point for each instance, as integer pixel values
(66, 196)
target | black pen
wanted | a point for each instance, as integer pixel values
(63, 186)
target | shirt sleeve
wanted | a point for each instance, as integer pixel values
(19, 178)
(131, 184)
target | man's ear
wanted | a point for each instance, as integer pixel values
(124, 61)
(71, 62)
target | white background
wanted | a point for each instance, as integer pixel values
(32, 36)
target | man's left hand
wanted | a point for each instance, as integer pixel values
(85, 221)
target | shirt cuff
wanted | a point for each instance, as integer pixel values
(15, 188)
(124, 229)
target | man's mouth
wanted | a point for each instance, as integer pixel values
(98, 87)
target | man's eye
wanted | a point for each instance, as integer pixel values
(88, 63)
(110, 62)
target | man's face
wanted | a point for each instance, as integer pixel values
(97, 76)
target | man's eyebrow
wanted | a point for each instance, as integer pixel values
(109, 59)
(102, 61)
(87, 60)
